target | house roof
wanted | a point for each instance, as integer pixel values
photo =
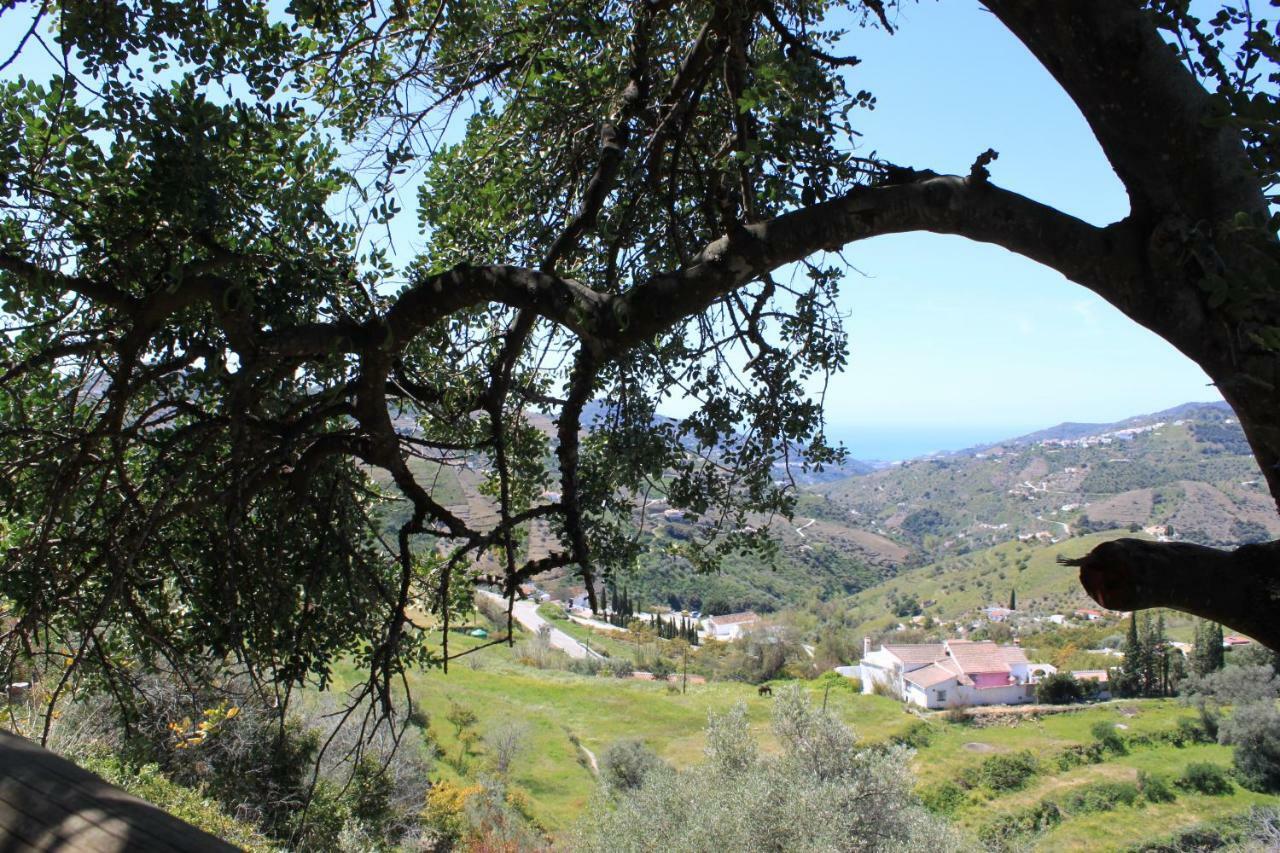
(1013, 655)
(974, 657)
(917, 653)
(1099, 675)
(1236, 640)
(734, 618)
(933, 674)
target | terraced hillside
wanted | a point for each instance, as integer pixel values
(1185, 474)
(1182, 474)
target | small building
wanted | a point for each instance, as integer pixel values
(997, 614)
(731, 625)
(1041, 670)
(949, 674)
(1233, 640)
(1098, 677)
(1091, 615)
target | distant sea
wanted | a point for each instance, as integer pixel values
(886, 443)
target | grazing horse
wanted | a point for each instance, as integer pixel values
(765, 690)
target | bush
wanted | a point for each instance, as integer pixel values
(1007, 772)
(445, 811)
(884, 688)
(834, 681)
(626, 764)
(1075, 756)
(1061, 688)
(1100, 797)
(819, 793)
(1154, 789)
(1254, 730)
(1107, 737)
(917, 735)
(148, 783)
(1007, 831)
(943, 798)
(1206, 778)
(1189, 731)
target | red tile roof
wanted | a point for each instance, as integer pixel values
(978, 657)
(1099, 675)
(934, 673)
(1014, 655)
(917, 654)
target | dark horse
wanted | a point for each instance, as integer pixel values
(765, 690)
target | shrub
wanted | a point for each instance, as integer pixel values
(815, 795)
(1206, 778)
(1061, 688)
(835, 681)
(1209, 721)
(958, 715)
(1107, 737)
(445, 811)
(943, 798)
(1254, 730)
(1007, 831)
(627, 763)
(585, 666)
(148, 783)
(616, 668)
(1100, 797)
(917, 735)
(419, 717)
(1154, 789)
(1185, 731)
(1008, 772)
(885, 688)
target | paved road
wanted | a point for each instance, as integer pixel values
(526, 613)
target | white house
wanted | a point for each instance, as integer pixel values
(950, 674)
(731, 625)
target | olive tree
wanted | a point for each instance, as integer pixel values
(214, 376)
(822, 792)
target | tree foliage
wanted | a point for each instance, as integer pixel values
(214, 375)
(822, 793)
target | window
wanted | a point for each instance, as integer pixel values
(942, 695)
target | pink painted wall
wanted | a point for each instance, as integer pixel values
(990, 679)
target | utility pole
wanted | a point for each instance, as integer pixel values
(684, 679)
(825, 692)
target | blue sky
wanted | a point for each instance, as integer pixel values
(953, 338)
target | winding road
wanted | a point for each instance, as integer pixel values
(526, 613)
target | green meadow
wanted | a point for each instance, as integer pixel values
(572, 719)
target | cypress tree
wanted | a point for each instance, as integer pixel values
(1217, 654)
(1150, 656)
(1131, 670)
(1013, 599)
(1160, 651)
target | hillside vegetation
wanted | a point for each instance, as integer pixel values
(572, 720)
(1185, 474)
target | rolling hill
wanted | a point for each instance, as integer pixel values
(1184, 474)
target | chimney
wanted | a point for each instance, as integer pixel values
(866, 646)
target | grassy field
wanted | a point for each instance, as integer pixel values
(955, 748)
(562, 710)
(571, 717)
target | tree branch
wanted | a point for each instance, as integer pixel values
(1239, 588)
